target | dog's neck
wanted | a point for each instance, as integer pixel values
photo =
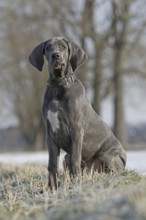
(63, 82)
(67, 80)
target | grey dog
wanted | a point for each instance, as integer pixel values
(71, 123)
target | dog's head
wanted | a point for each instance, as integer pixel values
(60, 54)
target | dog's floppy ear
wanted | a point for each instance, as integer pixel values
(77, 55)
(36, 58)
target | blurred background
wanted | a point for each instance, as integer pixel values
(112, 32)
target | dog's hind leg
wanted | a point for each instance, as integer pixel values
(112, 160)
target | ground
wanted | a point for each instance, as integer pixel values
(24, 195)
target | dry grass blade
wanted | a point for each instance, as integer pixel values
(24, 195)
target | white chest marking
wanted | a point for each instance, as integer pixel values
(53, 119)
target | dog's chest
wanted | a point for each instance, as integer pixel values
(57, 117)
(58, 124)
(52, 117)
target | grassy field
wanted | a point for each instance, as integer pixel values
(24, 195)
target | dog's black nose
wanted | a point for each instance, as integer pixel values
(55, 55)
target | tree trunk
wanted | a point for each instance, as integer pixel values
(120, 19)
(97, 82)
(89, 29)
(119, 119)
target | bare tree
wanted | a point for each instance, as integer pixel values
(111, 43)
(24, 24)
(125, 44)
(120, 22)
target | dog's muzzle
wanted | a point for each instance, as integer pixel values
(56, 63)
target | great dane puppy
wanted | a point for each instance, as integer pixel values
(71, 122)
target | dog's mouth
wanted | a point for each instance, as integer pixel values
(57, 71)
(57, 67)
(57, 74)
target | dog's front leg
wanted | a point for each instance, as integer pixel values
(54, 153)
(76, 148)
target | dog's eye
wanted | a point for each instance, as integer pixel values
(62, 46)
(48, 47)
